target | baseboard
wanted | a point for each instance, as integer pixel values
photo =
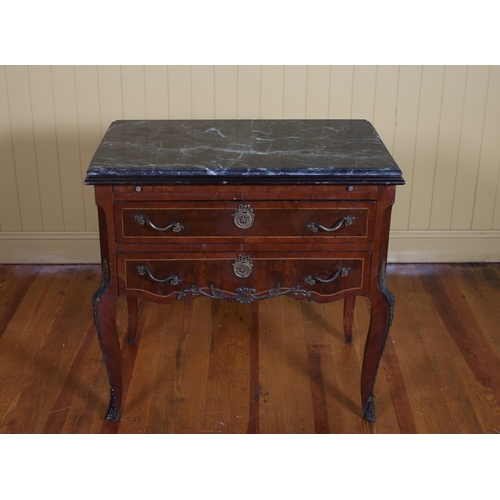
(404, 247)
(444, 246)
(78, 247)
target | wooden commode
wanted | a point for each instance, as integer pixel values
(243, 210)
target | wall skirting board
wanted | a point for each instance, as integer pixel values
(404, 247)
(75, 247)
(444, 246)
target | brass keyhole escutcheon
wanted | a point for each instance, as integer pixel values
(243, 266)
(244, 217)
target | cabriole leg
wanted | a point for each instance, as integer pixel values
(104, 304)
(382, 307)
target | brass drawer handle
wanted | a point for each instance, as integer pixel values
(311, 280)
(144, 219)
(314, 227)
(171, 280)
(244, 217)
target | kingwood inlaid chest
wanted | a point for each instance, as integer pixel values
(243, 210)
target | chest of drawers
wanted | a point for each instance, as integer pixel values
(247, 211)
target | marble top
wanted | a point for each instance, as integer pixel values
(242, 152)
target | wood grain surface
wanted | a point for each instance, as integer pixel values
(279, 366)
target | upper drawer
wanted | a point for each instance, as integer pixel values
(155, 222)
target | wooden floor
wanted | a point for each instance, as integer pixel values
(279, 366)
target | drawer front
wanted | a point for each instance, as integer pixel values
(160, 221)
(244, 277)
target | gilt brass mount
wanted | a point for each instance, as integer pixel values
(244, 217)
(243, 266)
(311, 280)
(314, 227)
(171, 280)
(144, 220)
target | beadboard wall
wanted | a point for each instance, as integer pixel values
(441, 124)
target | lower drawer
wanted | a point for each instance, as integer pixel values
(244, 277)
